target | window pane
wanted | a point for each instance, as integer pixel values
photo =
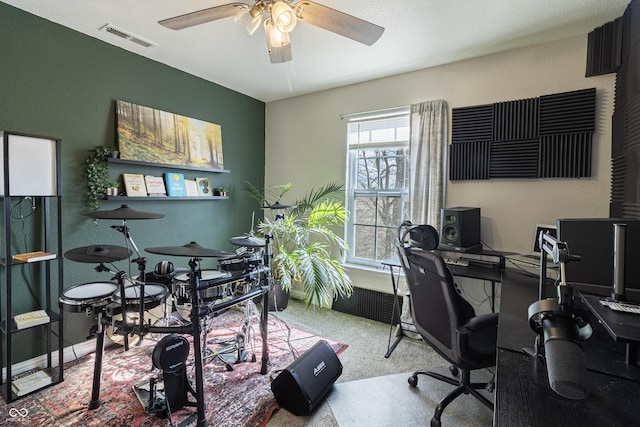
(382, 168)
(386, 243)
(389, 212)
(365, 211)
(364, 242)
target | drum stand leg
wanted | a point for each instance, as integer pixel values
(123, 308)
(195, 323)
(263, 329)
(97, 368)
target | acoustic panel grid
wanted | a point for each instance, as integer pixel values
(545, 137)
(625, 147)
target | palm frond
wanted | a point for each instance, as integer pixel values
(331, 191)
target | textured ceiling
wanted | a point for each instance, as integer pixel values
(418, 34)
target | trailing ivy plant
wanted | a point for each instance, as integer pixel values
(96, 168)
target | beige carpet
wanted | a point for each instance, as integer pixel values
(390, 401)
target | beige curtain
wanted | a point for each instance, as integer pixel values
(427, 154)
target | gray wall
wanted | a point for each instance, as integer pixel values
(510, 208)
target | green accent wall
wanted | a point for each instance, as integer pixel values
(58, 82)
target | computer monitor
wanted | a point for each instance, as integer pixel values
(593, 240)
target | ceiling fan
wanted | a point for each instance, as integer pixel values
(280, 18)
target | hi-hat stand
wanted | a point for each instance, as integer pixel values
(236, 350)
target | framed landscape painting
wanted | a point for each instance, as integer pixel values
(154, 136)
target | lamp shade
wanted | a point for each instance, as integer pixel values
(250, 18)
(283, 16)
(275, 38)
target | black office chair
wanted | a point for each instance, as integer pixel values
(443, 318)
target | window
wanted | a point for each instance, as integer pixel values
(377, 184)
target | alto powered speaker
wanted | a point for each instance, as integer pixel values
(301, 386)
(460, 229)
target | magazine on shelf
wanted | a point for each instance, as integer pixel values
(33, 256)
(134, 184)
(204, 187)
(28, 381)
(191, 187)
(31, 318)
(175, 184)
(155, 185)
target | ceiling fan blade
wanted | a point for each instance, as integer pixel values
(203, 16)
(338, 22)
(279, 54)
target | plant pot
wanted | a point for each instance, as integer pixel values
(114, 154)
(112, 191)
(278, 297)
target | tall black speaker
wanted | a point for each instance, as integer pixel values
(460, 229)
(301, 386)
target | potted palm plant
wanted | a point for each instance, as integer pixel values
(304, 244)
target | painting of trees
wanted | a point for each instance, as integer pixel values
(149, 135)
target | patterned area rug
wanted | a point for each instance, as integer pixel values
(241, 397)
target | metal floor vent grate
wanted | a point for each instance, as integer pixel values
(108, 28)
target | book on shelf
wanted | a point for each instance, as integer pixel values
(31, 318)
(155, 185)
(191, 187)
(134, 184)
(204, 187)
(33, 256)
(175, 184)
(28, 381)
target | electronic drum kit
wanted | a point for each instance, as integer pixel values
(195, 295)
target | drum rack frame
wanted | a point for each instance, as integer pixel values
(194, 328)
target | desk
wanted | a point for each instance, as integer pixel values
(622, 327)
(523, 396)
(472, 271)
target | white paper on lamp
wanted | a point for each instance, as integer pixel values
(32, 166)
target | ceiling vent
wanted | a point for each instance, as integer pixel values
(127, 36)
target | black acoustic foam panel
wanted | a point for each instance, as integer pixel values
(545, 137)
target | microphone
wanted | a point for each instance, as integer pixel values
(566, 367)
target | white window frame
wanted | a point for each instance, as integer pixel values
(356, 143)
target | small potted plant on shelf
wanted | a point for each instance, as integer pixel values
(220, 191)
(96, 169)
(303, 242)
(113, 188)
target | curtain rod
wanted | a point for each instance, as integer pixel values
(364, 113)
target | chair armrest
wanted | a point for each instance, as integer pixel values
(482, 321)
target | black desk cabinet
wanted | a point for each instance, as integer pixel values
(524, 398)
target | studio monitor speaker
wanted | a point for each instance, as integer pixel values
(460, 228)
(301, 386)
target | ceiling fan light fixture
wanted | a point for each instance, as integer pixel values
(283, 17)
(250, 18)
(275, 37)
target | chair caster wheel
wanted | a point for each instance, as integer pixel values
(435, 422)
(454, 370)
(490, 386)
(413, 381)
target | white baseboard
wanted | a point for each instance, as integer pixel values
(70, 353)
